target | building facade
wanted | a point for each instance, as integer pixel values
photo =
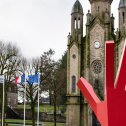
(86, 55)
(12, 95)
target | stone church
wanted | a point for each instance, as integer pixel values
(86, 55)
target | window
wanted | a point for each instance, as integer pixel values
(78, 23)
(15, 101)
(74, 56)
(9, 89)
(73, 84)
(97, 67)
(123, 17)
(75, 23)
(9, 101)
(96, 84)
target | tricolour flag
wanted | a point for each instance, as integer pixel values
(20, 79)
(33, 78)
(2, 79)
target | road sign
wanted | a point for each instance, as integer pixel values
(2, 79)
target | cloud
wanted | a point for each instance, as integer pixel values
(37, 25)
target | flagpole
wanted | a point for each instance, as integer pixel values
(38, 103)
(3, 106)
(24, 103)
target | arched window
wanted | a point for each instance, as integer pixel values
(73, 84)
(78, 23)
(75, 23)
(123, 17)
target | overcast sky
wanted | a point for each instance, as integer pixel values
(38, 25)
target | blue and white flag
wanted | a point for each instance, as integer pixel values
(33, 78)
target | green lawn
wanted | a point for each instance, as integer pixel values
(13, 125)
(17, 120)
(42, 108)
(29, 121)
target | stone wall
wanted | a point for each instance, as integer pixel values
(99, 7)
(43, 116)
(12, 99)
(12, 95)
(120, 49)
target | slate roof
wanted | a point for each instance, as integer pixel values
(77, 8)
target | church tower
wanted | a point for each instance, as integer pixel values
(86, 58)
(74, 66)
(100, 28)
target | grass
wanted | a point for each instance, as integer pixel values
(17, 120)
(42, 108)
(29, 121)
(13, 125)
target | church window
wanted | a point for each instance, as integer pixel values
(97, 67)
(123, 17)
(75, 23)
(74, 56)
(73, 84)
(78, 23)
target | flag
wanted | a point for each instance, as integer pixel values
(20, 79)
(2, 79)
(33, 78)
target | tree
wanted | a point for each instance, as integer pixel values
(63, 61)
(31, 96)
(59, 82)
(31, 88)
(55, 83)
(10, 59)
(47, 65)
(43, 66)
(61, 99)
(9, 65)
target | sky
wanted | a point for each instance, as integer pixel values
(35, 26)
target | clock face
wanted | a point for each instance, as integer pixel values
(97, 44)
